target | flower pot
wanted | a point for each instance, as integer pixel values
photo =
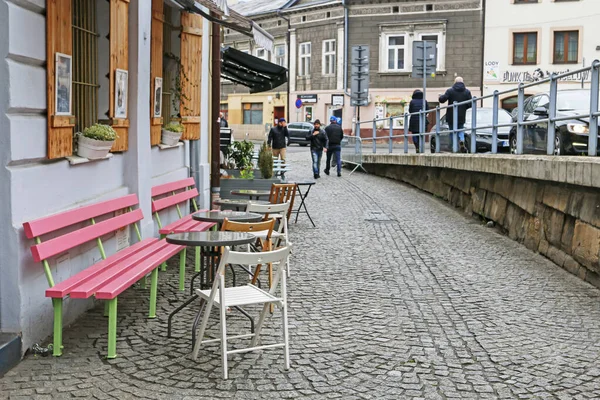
(93, 149)
(170, 138)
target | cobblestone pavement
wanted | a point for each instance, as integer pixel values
(394, 296)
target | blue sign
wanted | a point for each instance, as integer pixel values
(298, 103)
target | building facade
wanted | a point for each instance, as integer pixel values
(322, 32)
(40, 175)
(541, 37)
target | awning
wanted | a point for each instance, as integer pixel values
(255, 73)
(230, 19)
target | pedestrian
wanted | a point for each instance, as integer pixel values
(318, 142)
(414, 126)
(335, 134)
(278, 138)
(222, 121)
(457, 93)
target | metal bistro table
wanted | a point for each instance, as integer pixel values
(238, 204)
(210, 243)
(257, 194)
(303, 196)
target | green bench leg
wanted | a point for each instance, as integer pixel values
(112, 328)
(197, 269)
(164, 265)
(57, 346)
(182, 269)
(153, 291)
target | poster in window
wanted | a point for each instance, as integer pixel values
(157, 97)
(121, 93)
(64, 74)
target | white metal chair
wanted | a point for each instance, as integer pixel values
(239, 296)
(279, 212)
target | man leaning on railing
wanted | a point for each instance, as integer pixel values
(456, 94)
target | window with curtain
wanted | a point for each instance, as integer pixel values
(253, 113)
(525, 48)
(566, 47)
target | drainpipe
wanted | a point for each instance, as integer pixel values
(289, 58)
(215, 170)
(483, 50)
(346, 19)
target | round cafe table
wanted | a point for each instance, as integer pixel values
(219, 216)
(237, 204)
(256, 194)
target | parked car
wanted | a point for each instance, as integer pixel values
(572, 135)
(298, 132)
(484, 136)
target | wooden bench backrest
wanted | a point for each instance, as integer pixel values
(187, 191)
(43, 250)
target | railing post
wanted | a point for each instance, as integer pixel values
(473, 125)
(593, 139)
(455, 128)
(421, 129)
(550, 146)
(437, 129)
(357, 134)
(391, 143)
(495, 123)
(520, 126)
(405, 133)
(374, 136)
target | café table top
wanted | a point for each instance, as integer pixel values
(219, 216)
(251, 193)
(237, 202)
(210, 238)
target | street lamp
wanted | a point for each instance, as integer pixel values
(289, 56)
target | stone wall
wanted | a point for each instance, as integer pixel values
(559, 220)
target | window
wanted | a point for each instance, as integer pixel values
(566, 47)
(305, 50)
(280, 55)
(395, 9)
(434, 37)
(396, 52)
(429, 7)
(525, 48)
(329, 57)
(225, 110)
(308, 113)
(253, 113)
(262, 54)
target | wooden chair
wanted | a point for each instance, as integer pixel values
(225, 297)
(283, 193)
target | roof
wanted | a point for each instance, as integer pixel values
(255, 7)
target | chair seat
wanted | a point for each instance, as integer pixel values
(186, 224)
(263, 234)
(241, 296)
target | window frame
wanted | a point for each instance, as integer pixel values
(265, 55)
(440, 47)
(277, 57)
(525, 47)
(332, 55)
(567, 34)
(251, 109)
(304, 59)
(405, 47)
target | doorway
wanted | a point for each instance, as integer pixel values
(278, 112)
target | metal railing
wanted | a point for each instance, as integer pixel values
(520, 123)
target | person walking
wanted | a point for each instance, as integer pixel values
(335, 134)
(222, 121)
(414, 126)
(278, 138)
(457, 93)
(318, 141)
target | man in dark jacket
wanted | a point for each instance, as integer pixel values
(457, 93)
(414, 126)
(278, 138)
(222, 121)
(335, 134)
(318, 142)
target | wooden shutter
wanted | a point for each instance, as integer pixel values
(156, 67)
(119, 59)
(191, 62)
(59, 39)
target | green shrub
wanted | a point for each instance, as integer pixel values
(241, 153)
(100, 132)
(247, 173)
(265, 161)
(174, 127)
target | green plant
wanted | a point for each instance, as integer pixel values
(100, 132)
(247, 173)
(174, 127)
(241, 154)
(265, 161)
(179, 99)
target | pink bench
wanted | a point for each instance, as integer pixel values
(172, 195)
(107, 279)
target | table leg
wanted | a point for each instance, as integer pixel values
(303, 205)
(181, 307)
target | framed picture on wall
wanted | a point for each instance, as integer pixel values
(121, 93)
(63, 84)
(157, 97)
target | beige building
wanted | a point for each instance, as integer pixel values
(527, 40)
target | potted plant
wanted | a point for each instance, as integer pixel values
(265, 161)
(96, 141)
(171, 133)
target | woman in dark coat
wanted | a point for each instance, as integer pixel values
(416, 105)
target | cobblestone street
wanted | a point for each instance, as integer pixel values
(393, 296)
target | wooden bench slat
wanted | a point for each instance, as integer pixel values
(91, 286)
(161, 204)
(172, 186)
(65, 242)
(132, 275)
(65, 287)
(58, 221)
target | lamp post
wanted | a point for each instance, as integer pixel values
(288, 55)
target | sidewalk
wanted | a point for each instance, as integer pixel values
(393, 296)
